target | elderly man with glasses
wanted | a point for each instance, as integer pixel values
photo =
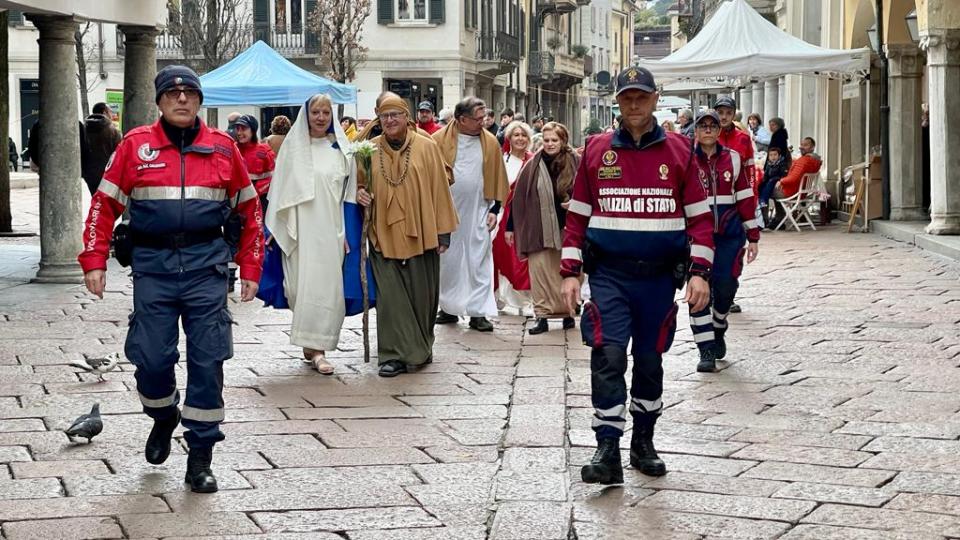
(413, 217)
(479, 187)
(189, 199)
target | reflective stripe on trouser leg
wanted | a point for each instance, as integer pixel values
(701, 325)
(724, 289)
(608, 391)
(207, 325)
(151, 343)
(645, 406)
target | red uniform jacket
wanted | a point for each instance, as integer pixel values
(741, 143)
(168, 192)
(634, 200)
(430, 127)
(731, 199)
(260, 161)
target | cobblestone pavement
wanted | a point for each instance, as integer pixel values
(836, 418)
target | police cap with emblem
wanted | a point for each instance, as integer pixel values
(636, 78)
(170, 77)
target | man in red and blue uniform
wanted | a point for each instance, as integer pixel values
(185, 187)
(732, 205)
(637, 226)
(737, 140)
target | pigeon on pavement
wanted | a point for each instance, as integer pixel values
(99, 365)
(87, 426)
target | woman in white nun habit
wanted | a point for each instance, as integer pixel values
(313, 179)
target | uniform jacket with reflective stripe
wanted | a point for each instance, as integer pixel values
(168, 192)
(634, 200)
(741, 143)
(729, 194)
(260, 161)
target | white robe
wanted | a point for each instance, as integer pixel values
(466, 268)
(312, 271)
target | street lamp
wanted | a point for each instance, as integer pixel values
(911, 19)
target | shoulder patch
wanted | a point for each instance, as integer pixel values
(223, 150)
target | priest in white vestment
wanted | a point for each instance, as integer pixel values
(479, 187)
(313, 177)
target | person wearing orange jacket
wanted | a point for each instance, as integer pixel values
(789, 185)
(189, 197)
(258, 156)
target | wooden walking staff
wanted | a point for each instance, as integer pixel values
(363, 151)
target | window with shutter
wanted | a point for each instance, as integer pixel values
(14, 18)
(311, 41)
(436, 11)
(385, 11)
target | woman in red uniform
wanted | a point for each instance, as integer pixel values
(258, 156)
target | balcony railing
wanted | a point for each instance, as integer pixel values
(287, 41)
(567, 65)
(540, 65)
(559, 6)
(498, 47)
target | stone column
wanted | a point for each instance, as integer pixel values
(139, 70)
(943, 69)
(759, 102)
(770, 99)
(745, 101)
(61, 219)
(781, 88)
(906, 168)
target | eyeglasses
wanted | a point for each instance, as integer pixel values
(708, 127)
(174, 93)
(391, 116)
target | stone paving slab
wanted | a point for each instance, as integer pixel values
(836, 417)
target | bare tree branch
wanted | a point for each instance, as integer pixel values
(210, 35)
(78, 36)
(339, 23)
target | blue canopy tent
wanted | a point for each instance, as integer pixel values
(260, 76)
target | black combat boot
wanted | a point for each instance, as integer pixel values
(158, 443)
(719, 343)
(605, 467)
(643, 456)
(446, 318)
(199, 475)
(708, 360)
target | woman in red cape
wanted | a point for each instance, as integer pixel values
(513, 279)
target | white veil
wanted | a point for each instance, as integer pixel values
(293, 180)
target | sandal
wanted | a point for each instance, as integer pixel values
(318, 360)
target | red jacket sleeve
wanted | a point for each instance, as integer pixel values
(578, 217)
(749, 164)
(250, 254)
(108, 203)
(699, 225)
(746, 201)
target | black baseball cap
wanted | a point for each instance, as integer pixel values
(708, 114)
(725, 101)
(425, 106)
(636, 78)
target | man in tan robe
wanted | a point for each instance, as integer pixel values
(413, 216)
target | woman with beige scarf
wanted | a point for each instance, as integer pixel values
(537, 215)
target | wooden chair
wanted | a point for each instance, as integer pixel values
(799, 205)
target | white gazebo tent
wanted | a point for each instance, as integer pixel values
(738, 43)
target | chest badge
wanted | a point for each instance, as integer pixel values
(609, 157)
(664, 172)
(146, 154)
(727, 176)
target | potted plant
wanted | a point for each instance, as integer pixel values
(579, 50)
(553, 43)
